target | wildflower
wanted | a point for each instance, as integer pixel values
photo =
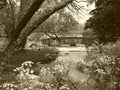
(45, 71)
(31, 72)
(58, 68)
(48, 86)
(9, 86)
(64, 87)
(27, 64)
(100, 71)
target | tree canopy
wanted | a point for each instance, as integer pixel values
(105, 20)
(58, 24)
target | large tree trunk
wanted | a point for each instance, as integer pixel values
(24, 7)
(34, 7)
(14, 44)
(22, 45)
(14, 26)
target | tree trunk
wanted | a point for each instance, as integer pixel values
(22, 45)
(14, 44)
(34, 7)
(24, 7)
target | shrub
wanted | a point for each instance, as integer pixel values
(114, 49)
(105, 68)
(72, 43)
(88, 38)
(26, 80)
(45, 55)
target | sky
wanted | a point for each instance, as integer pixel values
(81, 18)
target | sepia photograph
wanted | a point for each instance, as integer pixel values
(59, 45)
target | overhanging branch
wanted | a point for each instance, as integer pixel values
(43, 16)
(34, 7)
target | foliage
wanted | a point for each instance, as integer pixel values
(44, 55)
(3, 3)
(26, 80)
(105, 68)
(88, 38)
(58, 24)
(105, 20)
(23, 25)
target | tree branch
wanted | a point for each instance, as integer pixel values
(49, 35)
(13, 15)
(13, 46)
(43, 16)
(34, 7)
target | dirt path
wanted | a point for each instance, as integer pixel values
(70, 60)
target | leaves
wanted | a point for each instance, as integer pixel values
(58, 24)
(105, 20)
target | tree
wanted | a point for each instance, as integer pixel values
(105, 20)
(27, 25)
(59, 24)
(10, 16)
(88, 38)
(21, 31)
(2, 3)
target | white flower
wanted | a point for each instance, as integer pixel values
(31, 71)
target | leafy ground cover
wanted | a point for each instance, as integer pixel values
(44, 74)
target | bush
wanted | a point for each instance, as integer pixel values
(114, 49)
(72, 43)
(88, 38)
(45, 55)
(105, 68)
(50, 78)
